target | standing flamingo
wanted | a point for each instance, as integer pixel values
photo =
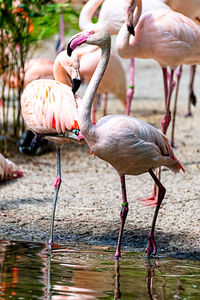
(8, 170)
(130, 145)
(164, 35)
(49, 108)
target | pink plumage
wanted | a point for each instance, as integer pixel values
(49, 106)
(130, 145)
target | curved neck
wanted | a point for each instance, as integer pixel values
(85, 122)
(59, 71)
(86, 14)
(124, 48)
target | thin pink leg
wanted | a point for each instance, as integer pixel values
(192, 97)
(56, 187)
(124, 212)
(178, 75)
(168, 88)
(151, 245)
(130, 92)
(153, 200)
(168, 94)
(61, 41)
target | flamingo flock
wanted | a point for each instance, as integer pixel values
(147, 29)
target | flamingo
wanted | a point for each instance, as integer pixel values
(130, 145)
(164, 35)
(8, 170)
(49, 108)
(111, 20)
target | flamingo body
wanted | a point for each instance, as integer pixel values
(131, 146)
(49, 106)
(164, 35)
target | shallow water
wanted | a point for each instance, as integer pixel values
(28, 271)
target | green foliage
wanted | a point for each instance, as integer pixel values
(47, 23)
(22, 25)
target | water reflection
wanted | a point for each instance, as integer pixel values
(29, 271)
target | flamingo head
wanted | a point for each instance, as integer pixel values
(92, 37)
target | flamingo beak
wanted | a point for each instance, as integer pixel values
(77, 40)
(76, 80)
(130, 26)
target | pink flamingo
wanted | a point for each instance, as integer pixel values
(164, 35)
(111, 20)
(130, 145)
(8, 170)
(49, 108)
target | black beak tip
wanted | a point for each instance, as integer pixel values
(131, 30)
(69, 50)
(75, 85)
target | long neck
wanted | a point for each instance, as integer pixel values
(59, 72)
(126, 43)
(86, 14)
(85, 122)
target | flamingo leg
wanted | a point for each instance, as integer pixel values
(130, 92)
(192, 96)
(179, 73)
(152, 201)
(124, 212)
(168, 89)
(151, 245)
(60, 46)
(57, 184)
(167, 117)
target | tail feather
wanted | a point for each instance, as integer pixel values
(175, 166)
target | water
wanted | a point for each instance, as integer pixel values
(28, 271)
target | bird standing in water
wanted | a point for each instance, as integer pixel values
(49, 108)
(130, 145)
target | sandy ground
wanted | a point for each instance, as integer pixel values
(89, 200)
